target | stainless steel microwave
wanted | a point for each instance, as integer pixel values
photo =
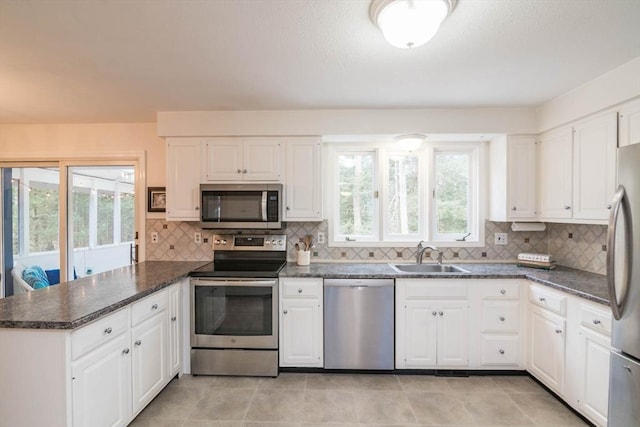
(241, 206)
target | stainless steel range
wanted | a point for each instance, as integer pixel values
(234, 307)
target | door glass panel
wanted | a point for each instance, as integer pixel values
(102, 218)
(33, 224)
(233, 310)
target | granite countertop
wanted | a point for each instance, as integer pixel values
(576, 282)
(73, 304)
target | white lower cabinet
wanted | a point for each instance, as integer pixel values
(101, 374)
(301, 322)
(569, 349)
(496, 324)
(547, 347)
(431, 324)
(101, 384)
(149, 360)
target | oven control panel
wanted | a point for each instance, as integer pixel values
(250, 242)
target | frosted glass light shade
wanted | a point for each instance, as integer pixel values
(409, 142)
(409, 23)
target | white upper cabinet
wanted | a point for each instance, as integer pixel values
(303, 187)
(594, 166)
(242, 159)
(577, 170)
(183, 179)
(555, 172)
(513, 178)
(629, 121)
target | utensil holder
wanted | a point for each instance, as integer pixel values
(304, 257)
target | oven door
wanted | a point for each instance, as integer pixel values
(234, 313)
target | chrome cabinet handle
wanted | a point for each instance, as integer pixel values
(108, 330)
(239, 170)
(288, 208)
(558, 331)
(299, 290)
(596, 321)
(609, 207)
(125, 351)
(173, 318)
(567, 207)
(501, 318)
(513, 208)
(501, 351)
(197, 208)
(285, 311)
(542, 299)
(503, 291)
(154, 307)
(441, 313)
(434, 313)
(244, 171)
(138, 342)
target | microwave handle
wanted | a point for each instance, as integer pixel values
(264, 206)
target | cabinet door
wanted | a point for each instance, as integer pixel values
(420, 336)
(303, 189)
(453, 334)
(555, 166)
(262, 159)
(183, 179)
(301, 333)
(101, 385)
(594, 166)
(521, 164)
(175, 326)
(594, 392)
(629, 123)
(223, 160)
(547, 347)
(149, 360)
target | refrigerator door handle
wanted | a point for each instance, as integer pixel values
(619, 202)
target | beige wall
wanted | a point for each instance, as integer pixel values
(60, 140)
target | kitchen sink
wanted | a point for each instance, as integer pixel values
(427, 268)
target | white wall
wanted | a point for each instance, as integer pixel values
(614, 87)
(346, 122)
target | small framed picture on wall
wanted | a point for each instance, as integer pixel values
(156, 199)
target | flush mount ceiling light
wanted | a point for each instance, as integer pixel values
(409, 23)
(409, 142)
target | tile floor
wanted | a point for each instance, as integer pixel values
(329, 400)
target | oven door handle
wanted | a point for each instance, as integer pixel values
(237, 282)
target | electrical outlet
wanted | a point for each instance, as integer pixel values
(154, 237)
(321, 237)
(501, 238)
(197, 237)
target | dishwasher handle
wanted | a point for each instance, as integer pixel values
(358, 283)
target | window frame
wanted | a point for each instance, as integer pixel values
(426, 176)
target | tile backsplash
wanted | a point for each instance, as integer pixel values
(573, 245)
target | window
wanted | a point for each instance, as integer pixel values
(388, 197)
(356, 218)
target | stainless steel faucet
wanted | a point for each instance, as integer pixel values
(422, 248)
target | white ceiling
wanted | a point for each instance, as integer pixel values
(122, 61)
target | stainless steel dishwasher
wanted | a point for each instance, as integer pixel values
(359, 324)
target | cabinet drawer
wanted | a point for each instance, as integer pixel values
(501, 317)
(500, 350)
(302, 288)
(596, 319)
(501, 290)
(98, 333)
(147, 307)
(422, 289)
(548, 299)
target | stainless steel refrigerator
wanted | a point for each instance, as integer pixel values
(623, 277)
